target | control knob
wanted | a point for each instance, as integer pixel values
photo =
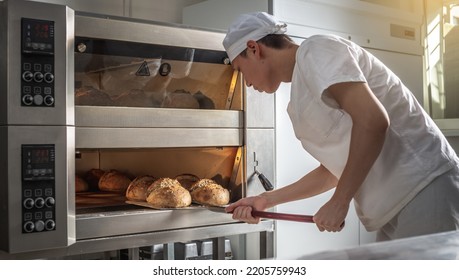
(27, 76)
(28, 203)
(27, 99)
(39, 202)
(50, 225)
(38, 77)
(28, 226)
(49, 202)
(49, 77)
(48, 100)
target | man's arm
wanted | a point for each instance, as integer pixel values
(369, 126)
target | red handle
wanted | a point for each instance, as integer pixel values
(283, 216)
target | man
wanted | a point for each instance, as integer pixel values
(374, 142)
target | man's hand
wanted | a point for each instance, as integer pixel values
(331, 215)
(242, 209)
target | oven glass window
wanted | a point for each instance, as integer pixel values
(129, 74)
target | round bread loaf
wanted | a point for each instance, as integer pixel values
(87, 95)
(201, 183)
(168, 193)
(137, 189)
(182, 100)
(92, 177)
(80, 184)
(133, 98)
(207, 192)
(114, 181)
(187, 180)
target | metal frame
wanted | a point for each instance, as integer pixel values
(103, 244)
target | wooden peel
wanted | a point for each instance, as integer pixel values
(270, 215)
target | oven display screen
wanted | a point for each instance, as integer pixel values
(40, 156)
(37, 35)
(40, 30)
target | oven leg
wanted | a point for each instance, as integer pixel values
(218, 248)
(266, 245)
(168, 251)
(133, 253)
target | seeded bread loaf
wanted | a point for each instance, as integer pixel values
(168, 193)
(208, 192)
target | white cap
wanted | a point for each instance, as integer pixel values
(246, 27)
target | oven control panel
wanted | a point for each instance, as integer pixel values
(38, 188)
(37, 63)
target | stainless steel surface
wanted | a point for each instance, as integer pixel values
(261, 142)
(218, 248)
(168, 35)
(260, 109)
(29, 125)
(11, 233)
(131, 221)
(167, 142)
(98, 116)
(160, 137)
(144, 239)
(63, 111)
(266, 248)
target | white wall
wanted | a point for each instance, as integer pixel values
(156, 10)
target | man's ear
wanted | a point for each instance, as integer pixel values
(253, 47)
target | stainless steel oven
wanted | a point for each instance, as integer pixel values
(82, 92)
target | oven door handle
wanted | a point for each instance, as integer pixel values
(264, 181)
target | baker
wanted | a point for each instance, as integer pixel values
(374, 142)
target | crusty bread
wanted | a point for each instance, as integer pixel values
(168, 193)
(187, 180)
(87, 95)
(207, 192)
(137, 189)
(80, 184)
(92, 177)
(180, 100)
(133, 98)
(114, 181)
(201, 183)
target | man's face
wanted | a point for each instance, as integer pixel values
(256, 72)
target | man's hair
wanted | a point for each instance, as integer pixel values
(275, 41)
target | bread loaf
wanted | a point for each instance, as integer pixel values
(187, 180)
(87, 95)
(208, 192)
(80, 184)
(168, 193)
(114, 181)
(133, 98)
(92, 177)
(184, 100)
(137, 189)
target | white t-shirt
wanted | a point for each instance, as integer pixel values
(414, 152)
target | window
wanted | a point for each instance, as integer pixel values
(442, 59)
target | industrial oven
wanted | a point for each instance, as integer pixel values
(82, 92)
